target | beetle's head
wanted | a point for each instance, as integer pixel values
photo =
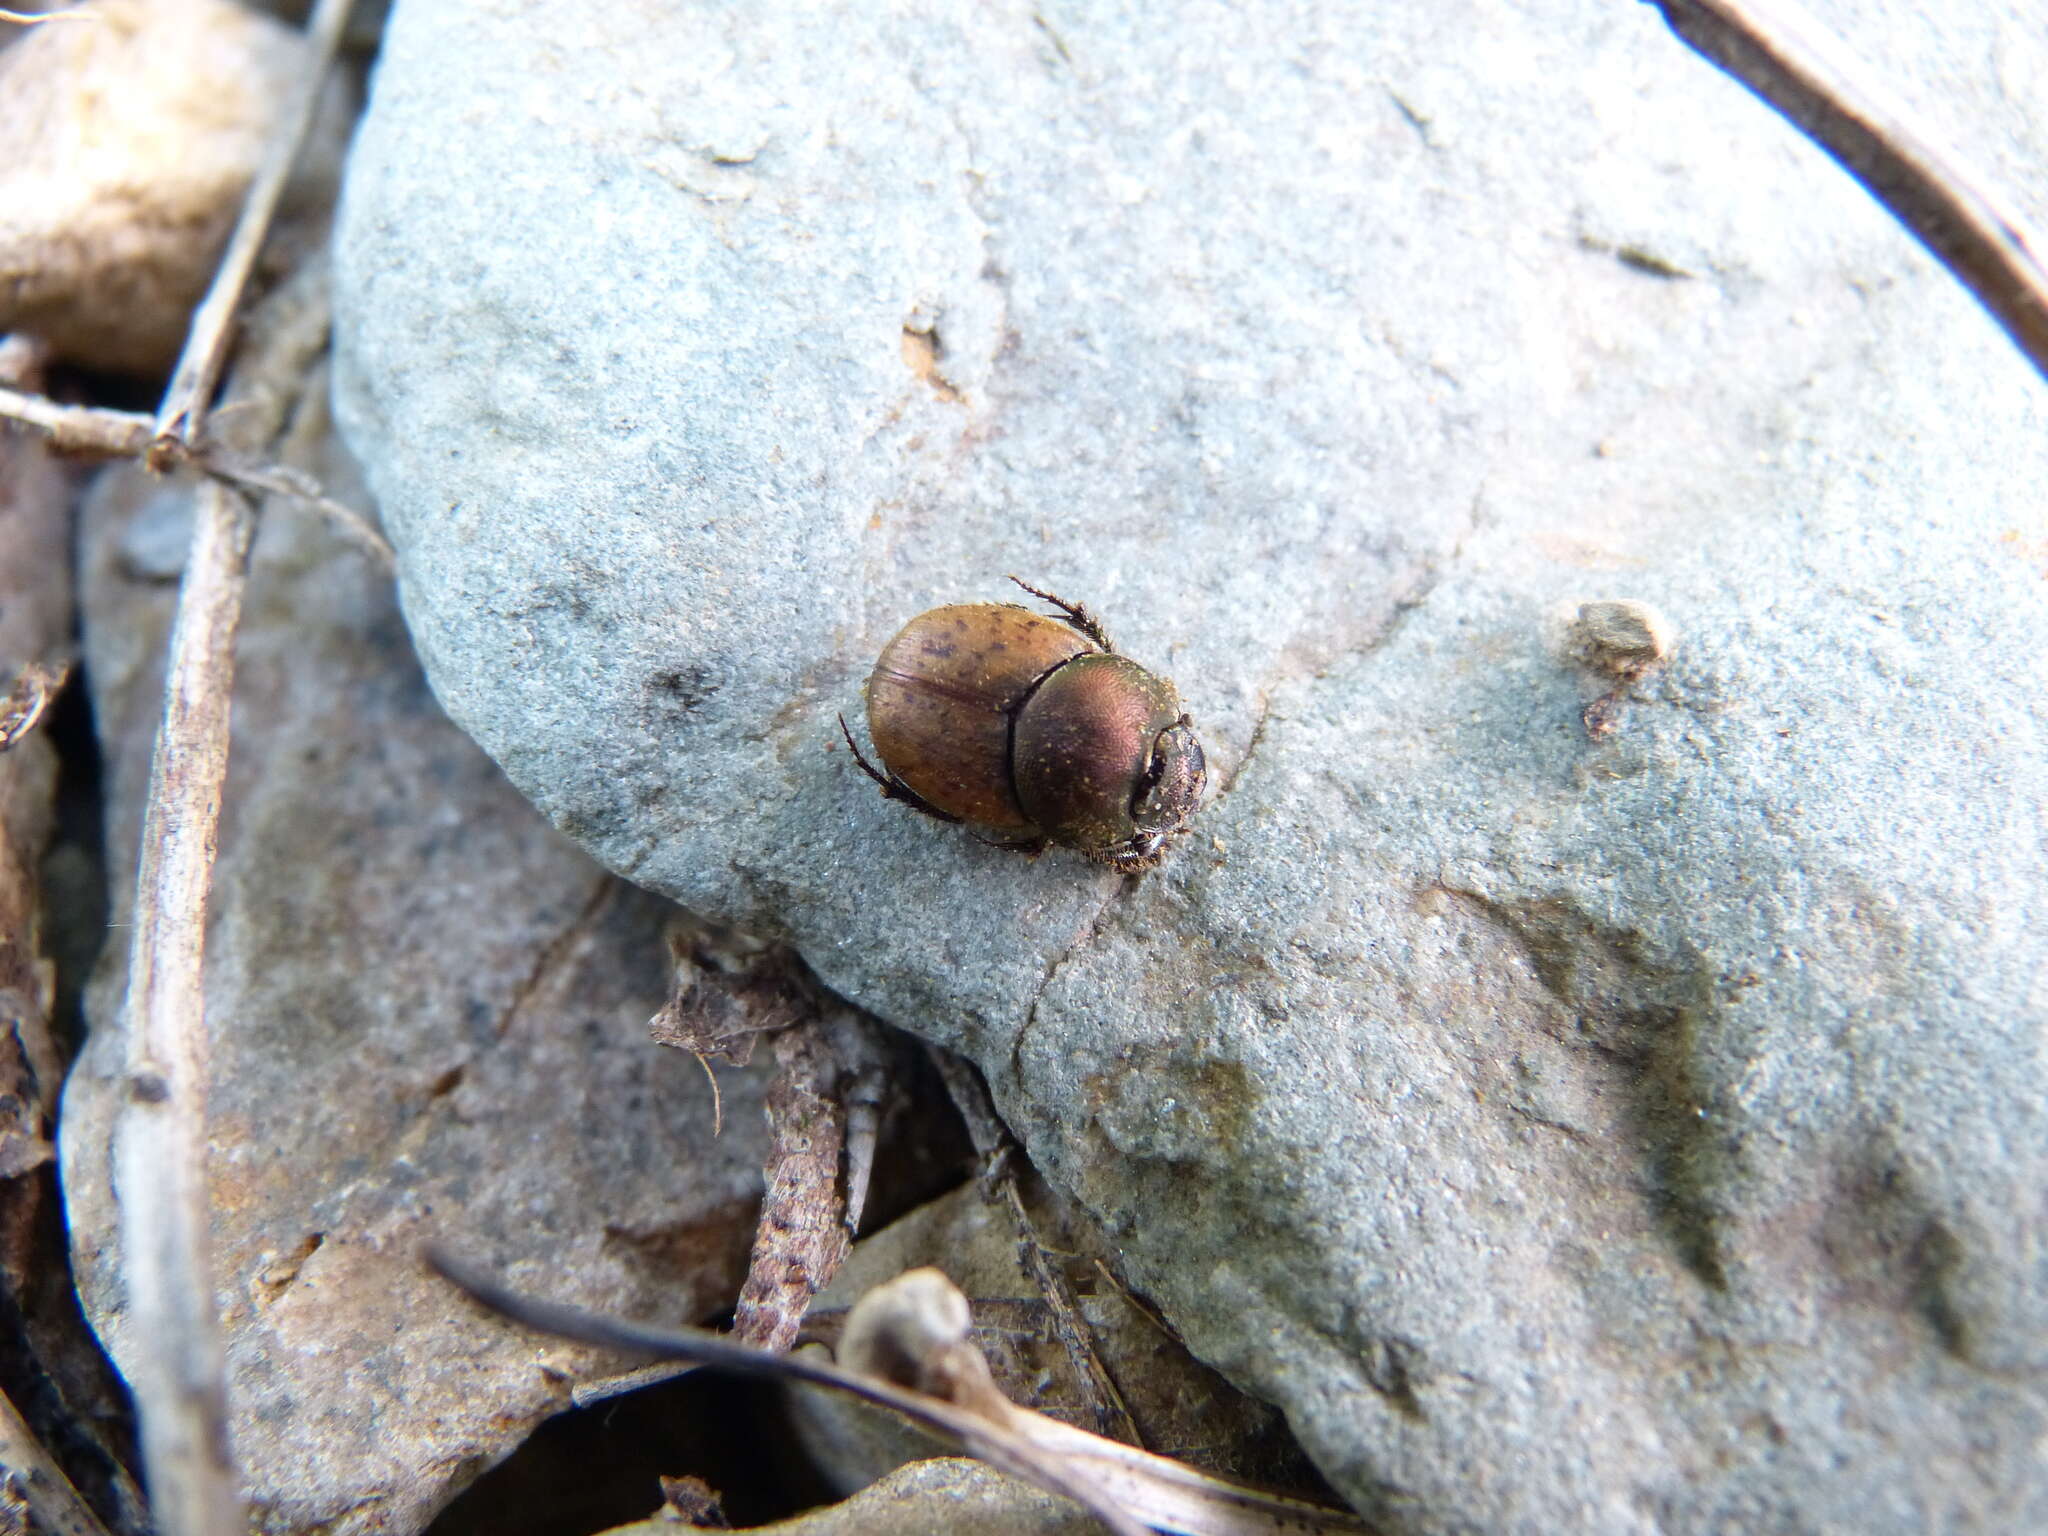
(1165, 796)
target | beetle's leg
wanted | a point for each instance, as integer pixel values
(1030, 847)
(860, 757)
(893, 788)
(1126, 860)
(1076, 614)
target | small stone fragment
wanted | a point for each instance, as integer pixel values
(692, 1502)
(1621, 637)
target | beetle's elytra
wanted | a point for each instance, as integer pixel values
(1033, 728)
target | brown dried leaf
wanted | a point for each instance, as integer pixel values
(727, 989)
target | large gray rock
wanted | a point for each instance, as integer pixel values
(1613, 1129)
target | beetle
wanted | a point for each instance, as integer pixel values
(1035, 728)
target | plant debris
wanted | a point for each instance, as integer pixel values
(905, 1347)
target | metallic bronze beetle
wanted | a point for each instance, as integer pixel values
(1034, 728)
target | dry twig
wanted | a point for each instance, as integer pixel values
(905, 1347)
(963, 1427)
(178, 1373)
(1790, 63)
(53, 1504)
(864, 1090)
(160, 1139)
(128, 435)
(992, 1141)
(181, 419)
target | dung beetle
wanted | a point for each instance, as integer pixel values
(1033, 728)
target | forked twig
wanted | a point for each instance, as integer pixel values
(182, 416)
(1791, 63)
(177, 1372)
(128, 434)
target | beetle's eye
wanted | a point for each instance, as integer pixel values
(1147, 787)
(1170, 786)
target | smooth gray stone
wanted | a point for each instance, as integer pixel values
(1615, 1121)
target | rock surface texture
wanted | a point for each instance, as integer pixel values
(428, 1019)
(1581, 1109)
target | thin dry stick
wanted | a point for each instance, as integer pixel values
(978, 1436)
(160, 1137)
(1793, 65)
(905, 1347)
(993, 1142)
(282, 480)
(127, 434)
(56, 1505)
(863, 1094)
(182, 416)
(80, 428)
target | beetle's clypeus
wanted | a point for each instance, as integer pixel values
(1033, 728)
